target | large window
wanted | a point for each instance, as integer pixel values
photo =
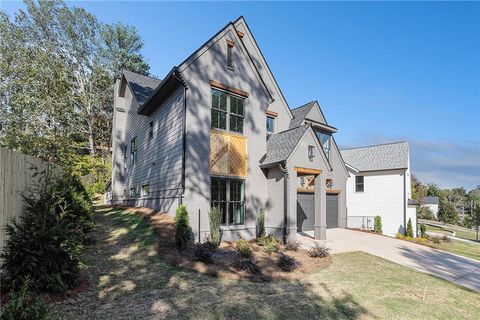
(359, 184)
(227, 112)
(270, 125)
(325, 142)
(229, 196)
(145, 190)
(133, 151)
(125, 156)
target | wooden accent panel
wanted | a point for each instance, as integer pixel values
(271, 113)
(307, 170)
(305, 190)
(334, 191)
(240, 34)
(228, 154)
(230, 43)
(221, 86)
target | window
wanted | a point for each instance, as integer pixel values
(132, 193)
(325, 142)
(145, 190)
(270, 124)
(229, 196)
(311, 152)
(150, 130)
(227, 112)
(133, 151)
(359, 184)
(229, 54)
(125, 158)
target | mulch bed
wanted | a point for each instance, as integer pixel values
(225, 257)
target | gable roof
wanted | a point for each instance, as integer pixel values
(430, 200)
(300, 113)
(281, 145)
(141, 86)
(379, 157)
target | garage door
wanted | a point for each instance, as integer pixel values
(305, 211)
(332, 211)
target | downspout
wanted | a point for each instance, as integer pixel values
(285, 200)
(405, 202)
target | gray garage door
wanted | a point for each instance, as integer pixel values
(332, 211)
(305, 211)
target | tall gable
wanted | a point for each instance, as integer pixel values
(142, 87)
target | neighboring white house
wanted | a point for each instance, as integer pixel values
(432, 204)
(379, 184)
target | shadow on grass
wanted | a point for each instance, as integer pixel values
(128, 280)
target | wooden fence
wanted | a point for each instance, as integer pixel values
(16, 172)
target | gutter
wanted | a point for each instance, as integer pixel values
(178, 77)
(285, 200)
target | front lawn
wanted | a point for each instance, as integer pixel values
(129, 280)
(469, 250)
(465, 234)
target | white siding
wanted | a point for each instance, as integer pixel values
(383, 195)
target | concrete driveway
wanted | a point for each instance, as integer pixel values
(461, 270)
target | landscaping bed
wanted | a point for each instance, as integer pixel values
(225, 258)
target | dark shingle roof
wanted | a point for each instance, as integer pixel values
(280, 145)
(430, 200)
(142, 86)
(300, 113)
(380, 157)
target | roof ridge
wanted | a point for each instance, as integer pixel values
(290, 129)
(304, 105)
(374, 145)
(140, 74)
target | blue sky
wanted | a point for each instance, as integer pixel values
(382, 72)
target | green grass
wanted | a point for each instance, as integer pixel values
(470, 234)
(128, 280)
(469, 250)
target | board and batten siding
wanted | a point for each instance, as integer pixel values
(383, 195)
(16, 172)
(159, 159)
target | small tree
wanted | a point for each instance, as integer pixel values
(409, 228)
(183, 231)
(423, 230)
(261, 224)
(378, 225)
(215, 217)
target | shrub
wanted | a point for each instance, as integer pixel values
(244, 248)
(271, 248)
(215, 218)
(378, 224)
(319, 251)
(203, 252)
(24, 305)
(445, 238)
(293, 246)
(261, 224)
(423, 230)
(287, 263)
(183, 231)
(46, 242)
(436, 240)
(409, 228)
(266, 240)
(400, 236)
(245, 264)
(421, 240)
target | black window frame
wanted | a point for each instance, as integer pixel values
(226, 204)
(143, 194)
(327, 150)
(134, 193)
(150, 131)
(359, 185)
(231, 114)
(125, 156)
(311, 152)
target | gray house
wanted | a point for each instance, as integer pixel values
(217, 131)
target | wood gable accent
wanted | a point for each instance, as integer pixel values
(240, 34)
(333, 191)
(307, 170)
(218, 85)
(228, 154)
(271, 113)
(230, 43)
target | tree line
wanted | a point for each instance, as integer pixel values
(57, 69)
(452, 202)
